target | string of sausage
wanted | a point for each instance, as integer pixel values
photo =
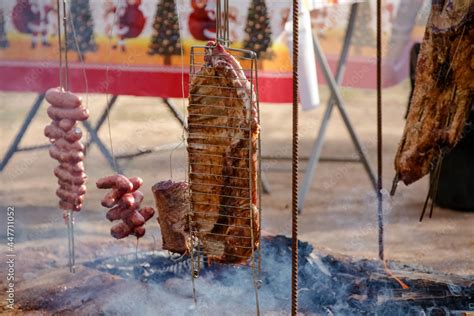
(65, 110)
(123, 202)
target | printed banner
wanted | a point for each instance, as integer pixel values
(141, 47)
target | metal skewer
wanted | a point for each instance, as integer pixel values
(64, 83)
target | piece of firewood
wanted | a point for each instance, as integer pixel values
(444, 89)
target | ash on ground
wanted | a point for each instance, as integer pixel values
(327, 285)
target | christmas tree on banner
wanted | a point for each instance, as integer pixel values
(165, 39)
(3, 34)
(258, 31)
(364, 35)
(81, 18)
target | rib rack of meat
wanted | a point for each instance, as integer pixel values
(444, 90)
(223, 153)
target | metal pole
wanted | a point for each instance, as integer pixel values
(342, 109)
(294, 182)
(14, 146)
(102, 148)
(379, 131)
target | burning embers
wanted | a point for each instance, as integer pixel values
(328, 285)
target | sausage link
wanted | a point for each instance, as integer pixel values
(67, 146)
(77, 189)
(77, 114)
(135, 219)
(132, 200)
(64, 156)
(66, 124)
(147, 212)
(65, 176)
(77, 167)
(111, 198)
(120, 230)
(70, 197)
(136, 182)
(139, 232)
(53, 131)
(62, 99)
(73, 135)
(117, 181)
(116, 212)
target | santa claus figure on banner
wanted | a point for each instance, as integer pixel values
(32, 17)
(125, 20)
(202, 20)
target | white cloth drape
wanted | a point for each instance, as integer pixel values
(308, 83)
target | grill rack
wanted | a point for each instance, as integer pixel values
(198, 62)
(198, 237)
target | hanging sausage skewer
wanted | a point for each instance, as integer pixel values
(66, 146)
(65, 110)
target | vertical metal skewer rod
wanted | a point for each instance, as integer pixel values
(64, 83)
(379, 133)
(294, 184)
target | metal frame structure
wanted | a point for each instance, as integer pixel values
(92, 130)
(335, 100)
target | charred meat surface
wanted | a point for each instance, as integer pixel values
(222, 148)
(172, 203)
(444, 90)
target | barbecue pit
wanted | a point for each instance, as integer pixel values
(154, 281)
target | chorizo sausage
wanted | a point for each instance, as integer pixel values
(147, 212)
(117, 181)
(77, 114)
(136, 182)
(139, 232)
(78, 189)
(135, 219)
(123, 184)
(65, 156)
(53, 131)
(112, 198)
(77, 167)
(120, 230)
(67, 146)
(73, 135)
(115, 213)
(65, 176)
(132, 200)
(69, 196)
(62, 99)
(124, 200)
(66, 124)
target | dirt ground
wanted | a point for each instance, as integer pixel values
(339, 214)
